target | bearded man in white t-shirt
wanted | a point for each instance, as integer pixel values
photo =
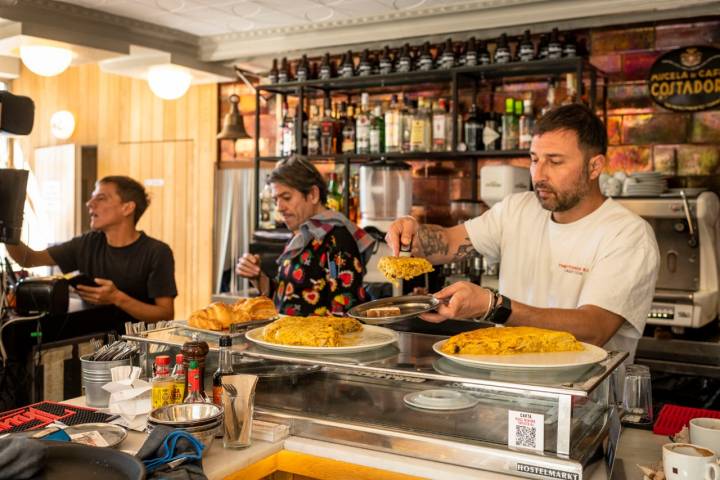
(570, 259)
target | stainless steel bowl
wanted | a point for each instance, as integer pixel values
(205, 433)
(186, 415)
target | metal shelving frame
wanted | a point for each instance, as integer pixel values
(457, 79)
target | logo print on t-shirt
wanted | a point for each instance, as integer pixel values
(577, 270)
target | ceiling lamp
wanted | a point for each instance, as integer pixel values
(168, 81)
(62, 124)
(46, 61)
(233, 125)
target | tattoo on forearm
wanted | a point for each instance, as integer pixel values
(433, 240)
(464, 249)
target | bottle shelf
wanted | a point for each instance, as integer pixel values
(544, 67)
(360, 158)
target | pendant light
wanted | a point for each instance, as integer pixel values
(233, 127)
(168, 81)
(46, 61)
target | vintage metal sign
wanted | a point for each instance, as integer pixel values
(686, 79)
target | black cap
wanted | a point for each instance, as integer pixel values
(226, 341)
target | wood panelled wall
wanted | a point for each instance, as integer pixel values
(168, 145)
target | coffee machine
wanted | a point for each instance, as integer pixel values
(687, 229)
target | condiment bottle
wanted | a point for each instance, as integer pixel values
(162, 383)
(195, 392)
(195, 350)
(179, 376)
(224, 368)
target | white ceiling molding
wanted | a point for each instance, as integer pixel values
(253, 32)
(80, 26)
(138, 62)
(510, 16)
(9, 68)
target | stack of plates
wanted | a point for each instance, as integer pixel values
(645, 184)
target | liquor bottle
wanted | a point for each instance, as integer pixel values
(484, 57)
(362, 126)
(526, 48)
(543, 46)
(339, 115)
(570, 88)
(365, 67)
(551, 92)
(406, 119)
(527, 122)
(284, 72)
(386, 64)
(314, 131)
(267, 206)
(425, 61)
(354, 208)
(474, 130)
(447, 59)
(303, 120)
(334, 197)
(273, 77)
(224, 368)
(303, 68)
(195, 391)
(441, 127)
(470, 58)
(327, 130)
(393, 129)
(570, 47)
(288, 138)
(502, 50)
(554, 45)
(348, 66)
(279, 129)
(491, 132)
(510, 128)
(404, 63)
(460, 128)
(325, 68)
(348, 132)
(421, 129)
(180, 378)
(162, 383)
(377, 130)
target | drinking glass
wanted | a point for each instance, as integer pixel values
(637, 396)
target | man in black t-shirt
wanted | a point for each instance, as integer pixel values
(136, 273)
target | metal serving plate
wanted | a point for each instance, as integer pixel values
(409, 305)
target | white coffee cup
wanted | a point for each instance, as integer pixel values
(685, 461)
(706, 433)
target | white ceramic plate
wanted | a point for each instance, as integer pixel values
(370, 338)
(528, 361)
(440, 399)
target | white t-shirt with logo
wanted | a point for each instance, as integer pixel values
(608, 258)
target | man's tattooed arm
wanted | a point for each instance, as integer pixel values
(442, 245)
(464, 249)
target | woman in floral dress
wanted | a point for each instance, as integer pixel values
(321, 270)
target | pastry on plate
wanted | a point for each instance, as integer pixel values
(511, 340)
(311, 331)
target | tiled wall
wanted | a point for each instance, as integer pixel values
(643, 135)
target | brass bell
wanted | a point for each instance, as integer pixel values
(233, 126)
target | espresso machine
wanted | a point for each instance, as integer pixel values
(686, 228)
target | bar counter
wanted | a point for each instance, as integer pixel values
(324, 460)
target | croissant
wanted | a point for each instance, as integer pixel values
(219, 316)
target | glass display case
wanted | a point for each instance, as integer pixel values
(406, 399)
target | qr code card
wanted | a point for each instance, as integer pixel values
(526, 430)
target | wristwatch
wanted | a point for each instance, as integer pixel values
(501, 313)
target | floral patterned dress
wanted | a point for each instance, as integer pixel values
(325, 277)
